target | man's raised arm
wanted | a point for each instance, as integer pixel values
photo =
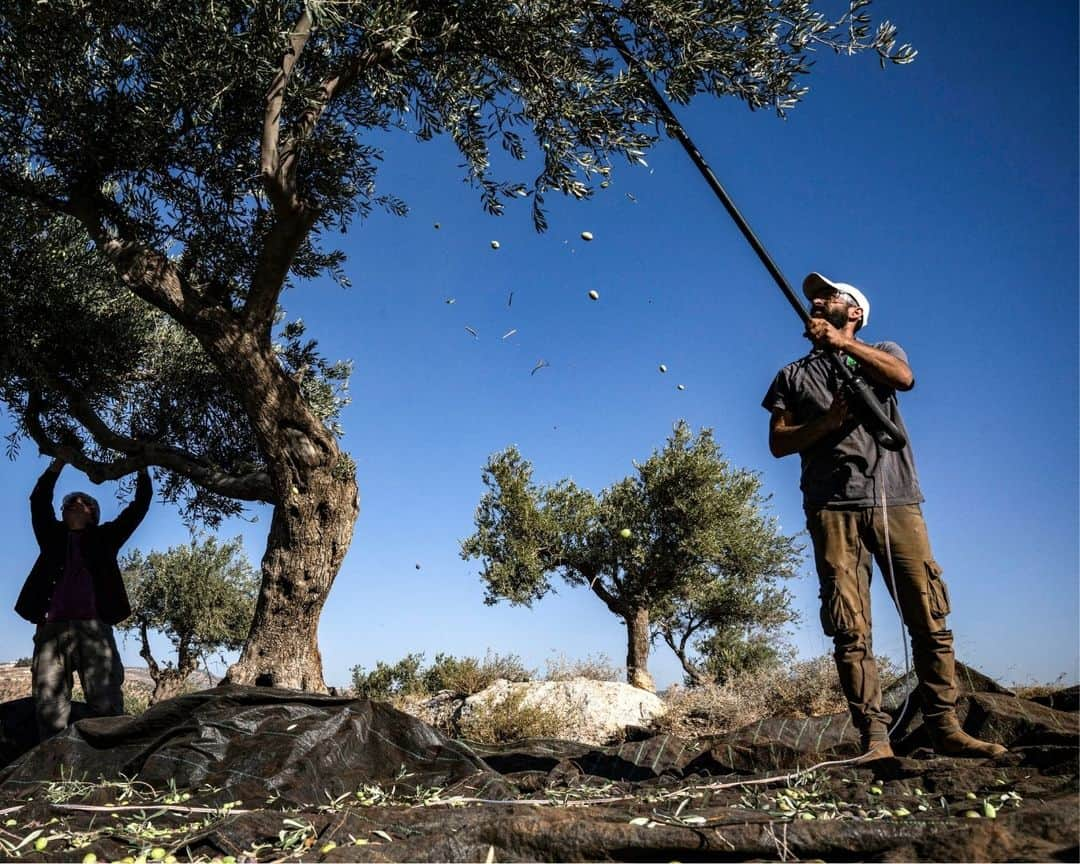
(124, 525)
(42, 516)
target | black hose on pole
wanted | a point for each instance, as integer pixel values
(885, 432)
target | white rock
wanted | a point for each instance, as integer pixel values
(596, 711)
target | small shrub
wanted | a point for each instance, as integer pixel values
(510, 720)
(24, 662)
(468, 675)
(709, 709)
(806, 688)
(508, 666)
(387, 681)
(136, 702)
(460, 675)
(136, 698)
(595, 667)
(1032, 689)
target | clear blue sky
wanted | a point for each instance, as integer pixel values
(946, 190)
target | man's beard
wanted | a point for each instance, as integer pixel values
(837, 316)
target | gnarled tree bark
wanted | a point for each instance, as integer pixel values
(309, 536)
(637, 649)
(637, 634)
(315, 510)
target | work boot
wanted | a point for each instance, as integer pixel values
(875, 742)
(874, 750)
(954, 741)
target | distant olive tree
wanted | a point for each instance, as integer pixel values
(200, 595)
(659, 548)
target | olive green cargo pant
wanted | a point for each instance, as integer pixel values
(844, 543)
(62, 648)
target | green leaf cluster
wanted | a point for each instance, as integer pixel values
(154, 109)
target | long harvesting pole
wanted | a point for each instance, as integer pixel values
(883, 429)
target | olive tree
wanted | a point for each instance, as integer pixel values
(200, 595)
(190, 161)
(653, 547)
(734, 622)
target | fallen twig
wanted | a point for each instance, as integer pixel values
(173, 808)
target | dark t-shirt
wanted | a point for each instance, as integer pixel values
(847, 468)
(73, 597)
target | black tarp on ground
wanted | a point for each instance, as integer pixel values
(287, 755)
(258, 743)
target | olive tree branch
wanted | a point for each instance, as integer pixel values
(254, 486)
(294, 216)
(146, 272)
(282, 198)
(24, 187)
(610, 600)
(680, 649)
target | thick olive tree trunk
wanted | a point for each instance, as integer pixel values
(637, 632)
(315, 509)
(312, 484)
(637, 650)
(309, 536)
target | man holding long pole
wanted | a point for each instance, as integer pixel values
(862, 503)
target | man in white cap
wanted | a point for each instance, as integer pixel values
(74, 594)
(861, 499)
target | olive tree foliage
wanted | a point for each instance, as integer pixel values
(733, 622)
(200, 595)
(168, 168)
(101, 378)
(683, 548)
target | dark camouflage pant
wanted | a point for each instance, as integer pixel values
(62, 648)
(845, 542)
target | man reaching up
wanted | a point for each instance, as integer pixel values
(75, 594)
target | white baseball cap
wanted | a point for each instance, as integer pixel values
(815, 283)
